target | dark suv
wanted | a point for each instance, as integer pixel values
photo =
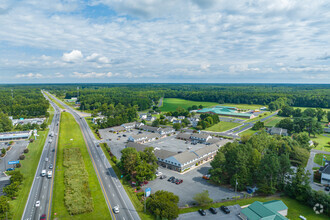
(202, 212)
(171, 179)
(225, 209)
(213, 210)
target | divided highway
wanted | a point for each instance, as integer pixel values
(42, 187)
(113, 190)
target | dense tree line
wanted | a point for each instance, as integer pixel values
(23, 102)
(5, 123)
(263, 160)
(207, 120)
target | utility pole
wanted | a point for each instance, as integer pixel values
(236, 189)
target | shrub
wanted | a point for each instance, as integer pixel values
(26, 150)
(3, 151)
(18, 165)
(22, 157)
(114, 159)
(8, 148)
(138, 187)
(140, 195)
(31, 140)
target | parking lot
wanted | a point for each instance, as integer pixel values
(192, 183)
(16, 150)
(234, 211)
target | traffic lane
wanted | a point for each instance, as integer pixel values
(233, 215)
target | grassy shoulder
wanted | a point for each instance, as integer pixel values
(295, 208)
(91, 125)
(318, 158)
(28, 169)
(71, 137)
(248, 132)
(222, 126)
(129, 190)
(56, 102)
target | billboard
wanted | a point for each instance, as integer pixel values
(13, 162)
(148, 192)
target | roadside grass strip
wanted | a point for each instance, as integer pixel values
(77, 198)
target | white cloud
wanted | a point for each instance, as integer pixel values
(73, 56)
(205, 66)
(58, 75)
(95, 57)
(45, 57)
(91, 75)
(30, 75)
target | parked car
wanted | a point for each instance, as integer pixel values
(162, 177)
(207, 176)
(175, 180)
(124, 135)
(158, 173)
(213, 210)
(43, 217)
(225, 209)
(116, 209)
(145, 182)
(171, 178)
(179, 181)
(37, 203)
(202, 212)
(327, 188)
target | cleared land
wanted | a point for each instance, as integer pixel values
(171, 104)
(318, 158)
(28, 169)
(295, 208)
(323, 140)
(71, 137)
(273, 121)
(222, 126)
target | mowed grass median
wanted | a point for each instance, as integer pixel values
(79, 186)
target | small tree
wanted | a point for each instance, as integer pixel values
(43, 126)
(203, 198)
(26, 150)
(22, 157)
(3, 151)
(177, 126)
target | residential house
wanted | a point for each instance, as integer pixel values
(193, 121)
(274, 209)
(200, 138)
(325, 174)
(143, 116)
(150, 118)
(181, 117)
(170, 118)
(278, 131)
(98, 119)
(176, 121)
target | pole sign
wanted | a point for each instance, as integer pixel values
(148, 192)
(13, 162)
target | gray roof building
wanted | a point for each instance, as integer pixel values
(117, 128)
(183, 136)
(186, 157)
(163, 154)
(208, 149)
(279, 131)
(150, 128)
(137, 146)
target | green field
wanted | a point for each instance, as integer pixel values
(247, 132)
(171, 104)
(222, 126)
(273, 121)
(295, 209)
(323, 140)
(318, 158)
(28, 169)
(71, 137)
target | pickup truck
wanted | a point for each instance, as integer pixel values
(49, 174)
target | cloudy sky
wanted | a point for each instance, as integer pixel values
(194, 41)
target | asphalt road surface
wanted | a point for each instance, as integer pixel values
(42, 187)
(113, 191)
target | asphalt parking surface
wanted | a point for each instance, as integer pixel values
(234, 211)
(192, 183)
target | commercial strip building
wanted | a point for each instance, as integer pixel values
(272, 210)
(17, 135)
(22, 121)
(226, 111)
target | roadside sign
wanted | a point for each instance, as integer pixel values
(148, 192)
(13, 162)
(21, 119)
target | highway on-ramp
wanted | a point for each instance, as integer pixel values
(112, 188)
(42, 187)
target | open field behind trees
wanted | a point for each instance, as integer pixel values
(295, 208)
(171, 104)
(28, 169)
(71, 137)
(323, 140)
(222, 126)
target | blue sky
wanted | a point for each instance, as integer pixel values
(192, 41)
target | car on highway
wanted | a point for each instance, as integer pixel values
(43, 217)
(225, 209)
(43, 173)
(10, 169)
(213, 210)
(46, 159)
(53, 150)
(37, 203)
(202, 212)
(116, 209)
(171, 178)
(50, 166)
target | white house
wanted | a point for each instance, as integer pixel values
(150, 118)
(193, 121)
(170, 118)
(181, 117)
(176, 121)
(143, 116)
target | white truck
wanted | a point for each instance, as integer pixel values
(43, 173)
(49, 174)
(50, 141)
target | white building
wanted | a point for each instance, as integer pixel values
(143, 116)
